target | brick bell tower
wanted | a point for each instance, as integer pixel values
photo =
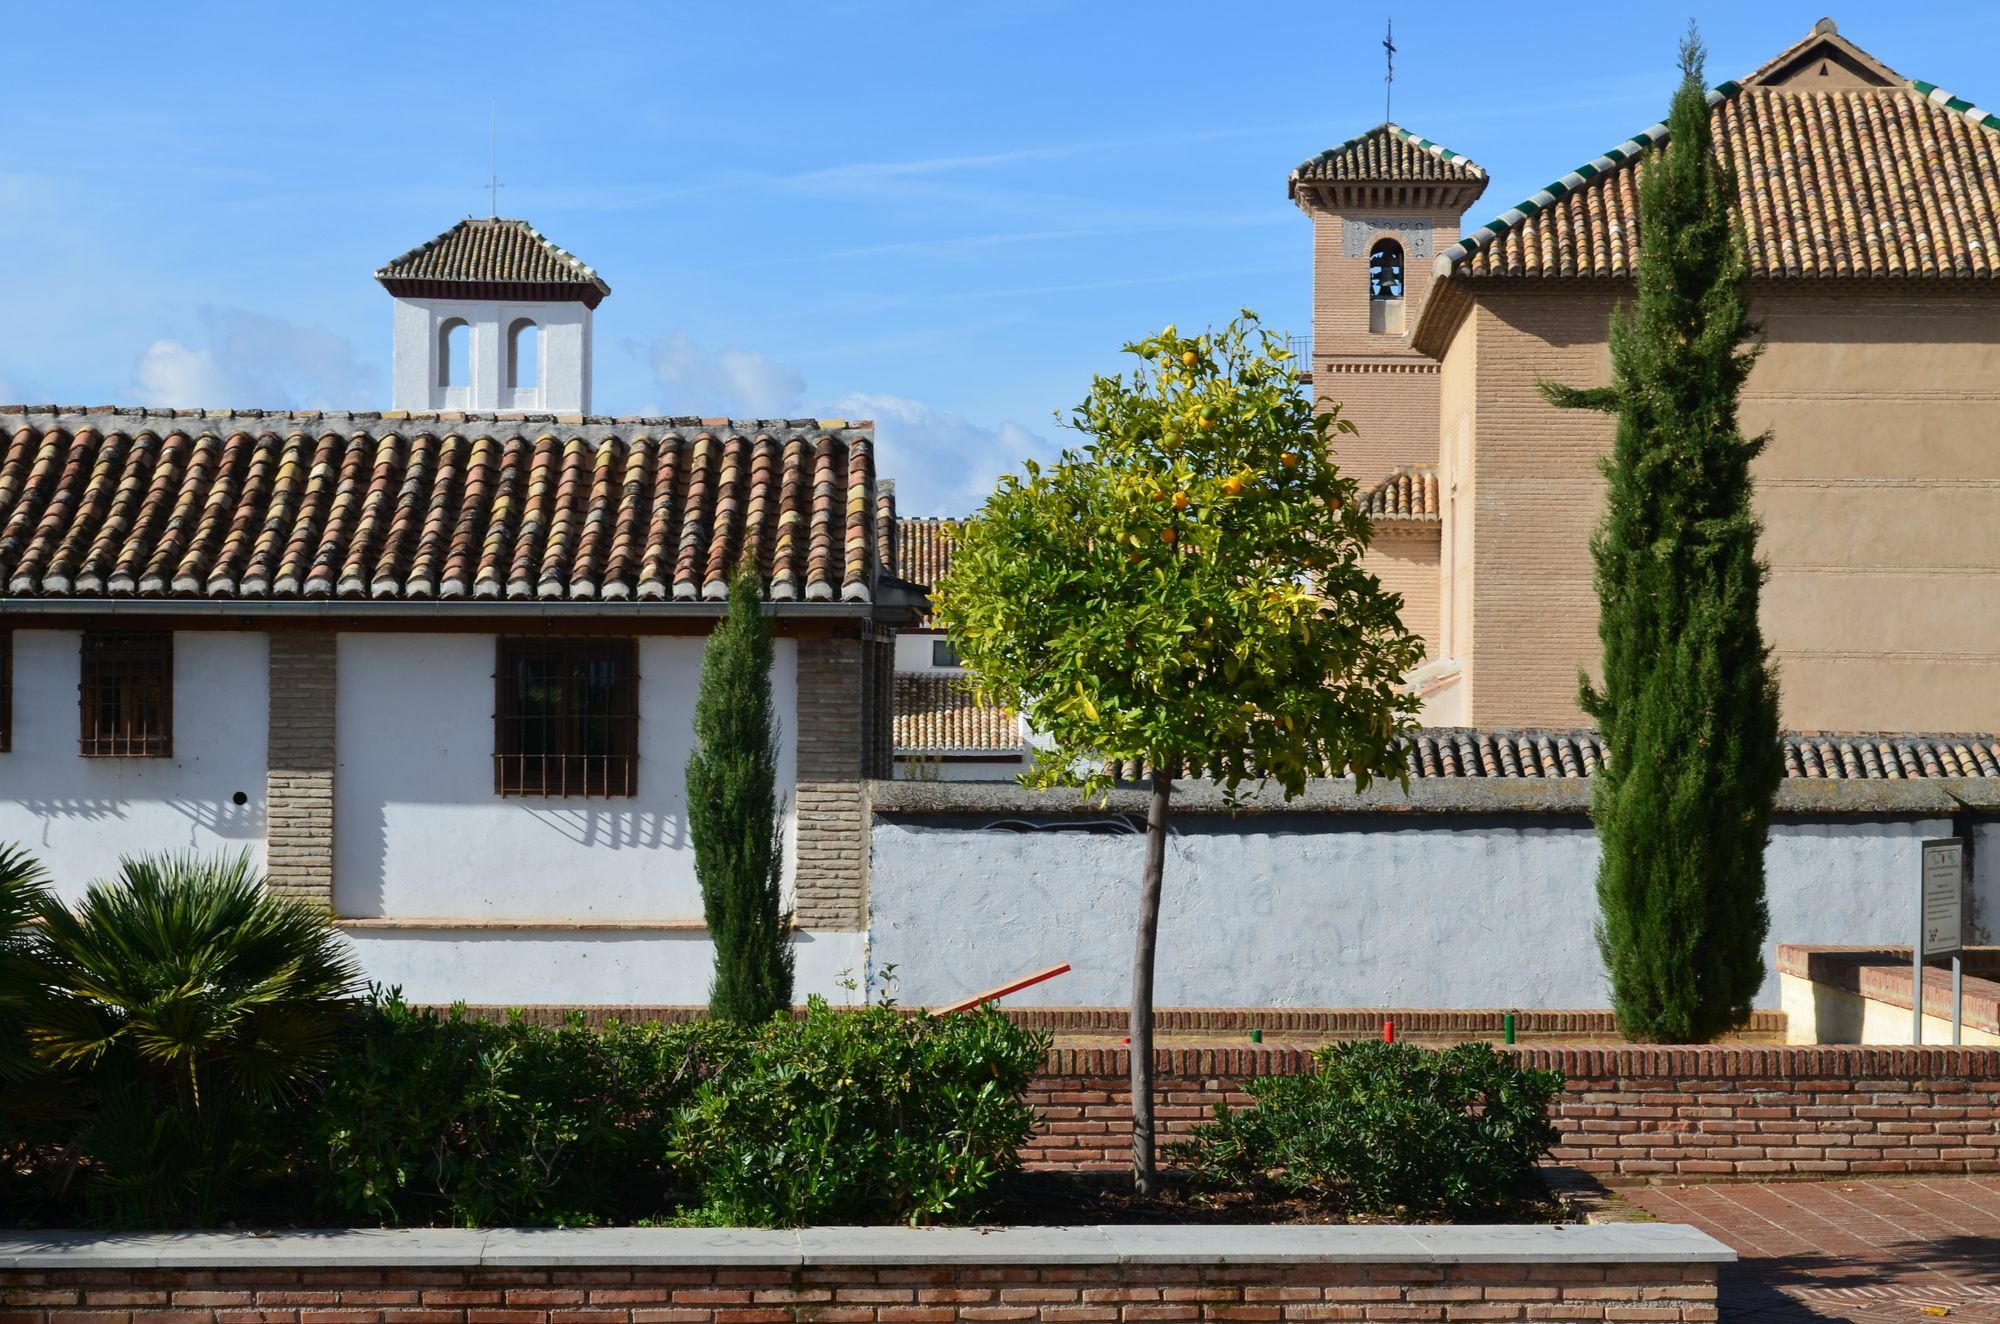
(1383, 205)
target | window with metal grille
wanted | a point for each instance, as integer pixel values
(126, 697)
(566, 717)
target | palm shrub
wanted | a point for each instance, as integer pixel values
(863, 1116)
(734, 813)
(32, 1097)
(1689, 705)
(1387, 1130)
(193, 1003)
(436, 1117)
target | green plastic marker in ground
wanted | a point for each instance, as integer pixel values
(1508, 1024)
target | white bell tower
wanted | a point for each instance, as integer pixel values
(491, 316)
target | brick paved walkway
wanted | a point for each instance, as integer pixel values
(1849, 1250)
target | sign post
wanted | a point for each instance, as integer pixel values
(1940, 929)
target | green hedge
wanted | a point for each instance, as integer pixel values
(1388, 1130)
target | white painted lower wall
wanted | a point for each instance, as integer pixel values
(551, 967)
(420, 834)
(1336, 910)
(79, 815)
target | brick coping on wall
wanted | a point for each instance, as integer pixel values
(1614, 1243)
(1772, 1066)
(1882, 974)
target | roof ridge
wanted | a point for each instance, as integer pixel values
(1938, 96)
(1613, 159)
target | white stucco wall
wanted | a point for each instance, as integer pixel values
(565, 365)
(531, 968)
(1341, 911)
(78, 815)
(420, 833)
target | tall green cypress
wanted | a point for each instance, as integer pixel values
(734, 813)
(1689, 707)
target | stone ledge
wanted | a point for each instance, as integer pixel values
(1561, 1244)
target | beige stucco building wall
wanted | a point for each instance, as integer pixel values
(1877, 494)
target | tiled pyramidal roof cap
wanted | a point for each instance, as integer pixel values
(263, 505)
(492, 251)
(1388, 163)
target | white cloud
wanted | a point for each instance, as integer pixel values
(942, 463)
(251, 360)
(738, 382)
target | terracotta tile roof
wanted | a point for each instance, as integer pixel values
(1381, 165)
(1410, 493)
(923, 551)
(1543, 752)
(1862, 175)
(1387, 152)
(266, 505)
(483, 250)
(937, 713)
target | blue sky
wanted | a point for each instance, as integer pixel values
(945, 217)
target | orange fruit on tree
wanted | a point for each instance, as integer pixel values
(1168, 535)
(1190, 358)
(1290, 459)
(1180, 501)
(1232, 484)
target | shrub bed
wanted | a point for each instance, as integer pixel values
(185, 1049)
(1387, 1131)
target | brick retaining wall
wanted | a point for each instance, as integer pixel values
(938, 1292)
(1632, 1114)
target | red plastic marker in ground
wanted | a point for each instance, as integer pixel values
(1388, 1032)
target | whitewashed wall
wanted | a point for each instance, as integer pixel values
(548, 967)
(419, 832)
(1337, 910)
(79, 815)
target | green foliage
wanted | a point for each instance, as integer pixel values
(1188, 588)
(1689, 706)
(192, 1002)
(440, 1118)
(1387, 1130)
(734, 814)
(863, 1116)
(23, 891)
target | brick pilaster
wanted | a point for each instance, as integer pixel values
(830, 869)
(299, 780)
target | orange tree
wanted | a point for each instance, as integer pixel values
(1185, 593)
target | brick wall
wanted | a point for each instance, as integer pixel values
(831, 856)
(1629, 1113)
(922, 1294)
(1883, 606)
(299, 781)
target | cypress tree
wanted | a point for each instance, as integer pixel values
(1689, 706)
(734, 813)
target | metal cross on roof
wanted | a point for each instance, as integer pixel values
(1389, 78)
(493, 184)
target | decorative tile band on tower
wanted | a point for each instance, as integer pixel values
(299, 781)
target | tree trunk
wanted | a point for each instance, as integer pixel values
(1145, 1179)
